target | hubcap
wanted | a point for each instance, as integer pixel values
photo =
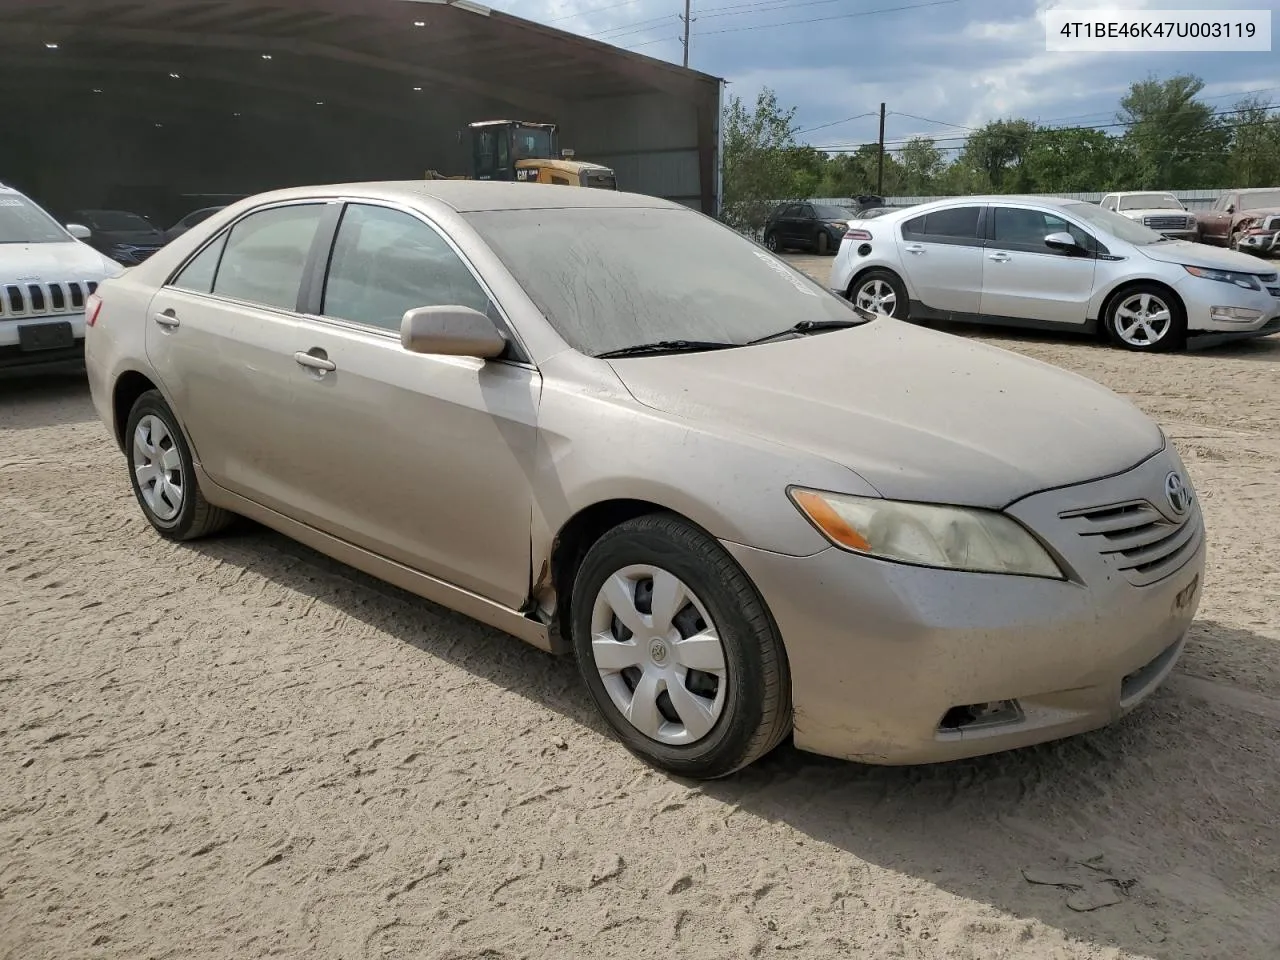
(1143, 320)
(658, 654)
(878, 297)
(158, 468)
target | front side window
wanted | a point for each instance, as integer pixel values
(265, 255)
(386, 262)
(21, 221)
(1026, 229)
(610, 278)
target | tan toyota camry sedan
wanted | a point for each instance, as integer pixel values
(605, 423)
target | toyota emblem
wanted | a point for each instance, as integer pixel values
(1178, 494)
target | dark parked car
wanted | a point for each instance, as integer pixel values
(189, 221)
(807, 226)
(127, 238)
(870, 213)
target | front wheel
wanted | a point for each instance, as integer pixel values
(677, 649)
(1146, 318)
(824, 244)
(771, 242)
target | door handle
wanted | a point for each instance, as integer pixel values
(999, 257)
(167, 320)
(312, 362)
(914, 248)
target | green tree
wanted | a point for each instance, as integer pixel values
(1175, 140)
(758, 158)
(1073, 161)
(1254, 160)
(997, 151)
(921, 163)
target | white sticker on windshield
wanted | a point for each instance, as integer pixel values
(786, 274)
(10, 202)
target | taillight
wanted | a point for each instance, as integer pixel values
(858, 235)
(92, 307)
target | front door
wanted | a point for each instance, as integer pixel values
(425, 460)
(1215, 227)
(942, 254)
(220, 337)
(1024, 279)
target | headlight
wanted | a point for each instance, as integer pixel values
(953, 538)
(1246, 280)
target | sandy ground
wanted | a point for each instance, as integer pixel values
(241, 749)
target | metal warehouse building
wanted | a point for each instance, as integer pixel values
(163, 106)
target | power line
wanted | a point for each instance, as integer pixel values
(834, 123)
(897, 113)
(842, 16)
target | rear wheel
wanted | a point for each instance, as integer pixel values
(880, 291)
(677, 650)
(1146, 318)
(162, 473)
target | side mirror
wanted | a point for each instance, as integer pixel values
(79, 231)
(1062, 241)
(1231, 208)
(453, 331)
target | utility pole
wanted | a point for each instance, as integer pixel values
(687, 20)
(880, 159)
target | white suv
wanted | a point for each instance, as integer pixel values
(1162, 212)
(1053, 264)
(47, 275)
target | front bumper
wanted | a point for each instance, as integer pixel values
(1261, 244)
(14, 357)
(883, 654)
(1201, 297)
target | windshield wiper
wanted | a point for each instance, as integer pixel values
(805, 327)
(666, 346)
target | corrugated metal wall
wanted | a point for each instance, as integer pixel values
(651, 142)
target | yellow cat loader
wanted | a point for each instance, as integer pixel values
(527, 152)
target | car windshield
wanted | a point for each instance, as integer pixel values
(832, 213)
(1260, 201)
(21, 221)
(1122, 228)
(115, 220)
(1150, 201)
(612, 278)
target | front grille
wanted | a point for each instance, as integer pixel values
(43, 299)
(1168, 223)
(1137, 539)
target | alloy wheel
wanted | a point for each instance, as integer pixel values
(158, 468)
(1143, 320)
(877, 296)
(659, 656)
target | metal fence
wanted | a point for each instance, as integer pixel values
(1192, 199)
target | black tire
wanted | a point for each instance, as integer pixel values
(756, 715)
(901, 304)
(771, 242)
(1174, 337)
(196, 517)
(824, 243)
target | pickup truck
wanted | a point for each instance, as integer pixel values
(1245, 220)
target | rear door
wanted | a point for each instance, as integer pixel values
(807, 225)
(1023, 279)
(221, 337)
(942, 255)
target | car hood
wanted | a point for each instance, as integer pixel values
(50, 262)
(919, 415)
(1201, 255)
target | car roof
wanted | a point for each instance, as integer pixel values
(1133, 193)
(471, 196)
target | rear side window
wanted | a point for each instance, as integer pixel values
(954, 223)
(386, 262)
(197, 276)
(265, 255)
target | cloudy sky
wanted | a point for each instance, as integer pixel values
(962, 62)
